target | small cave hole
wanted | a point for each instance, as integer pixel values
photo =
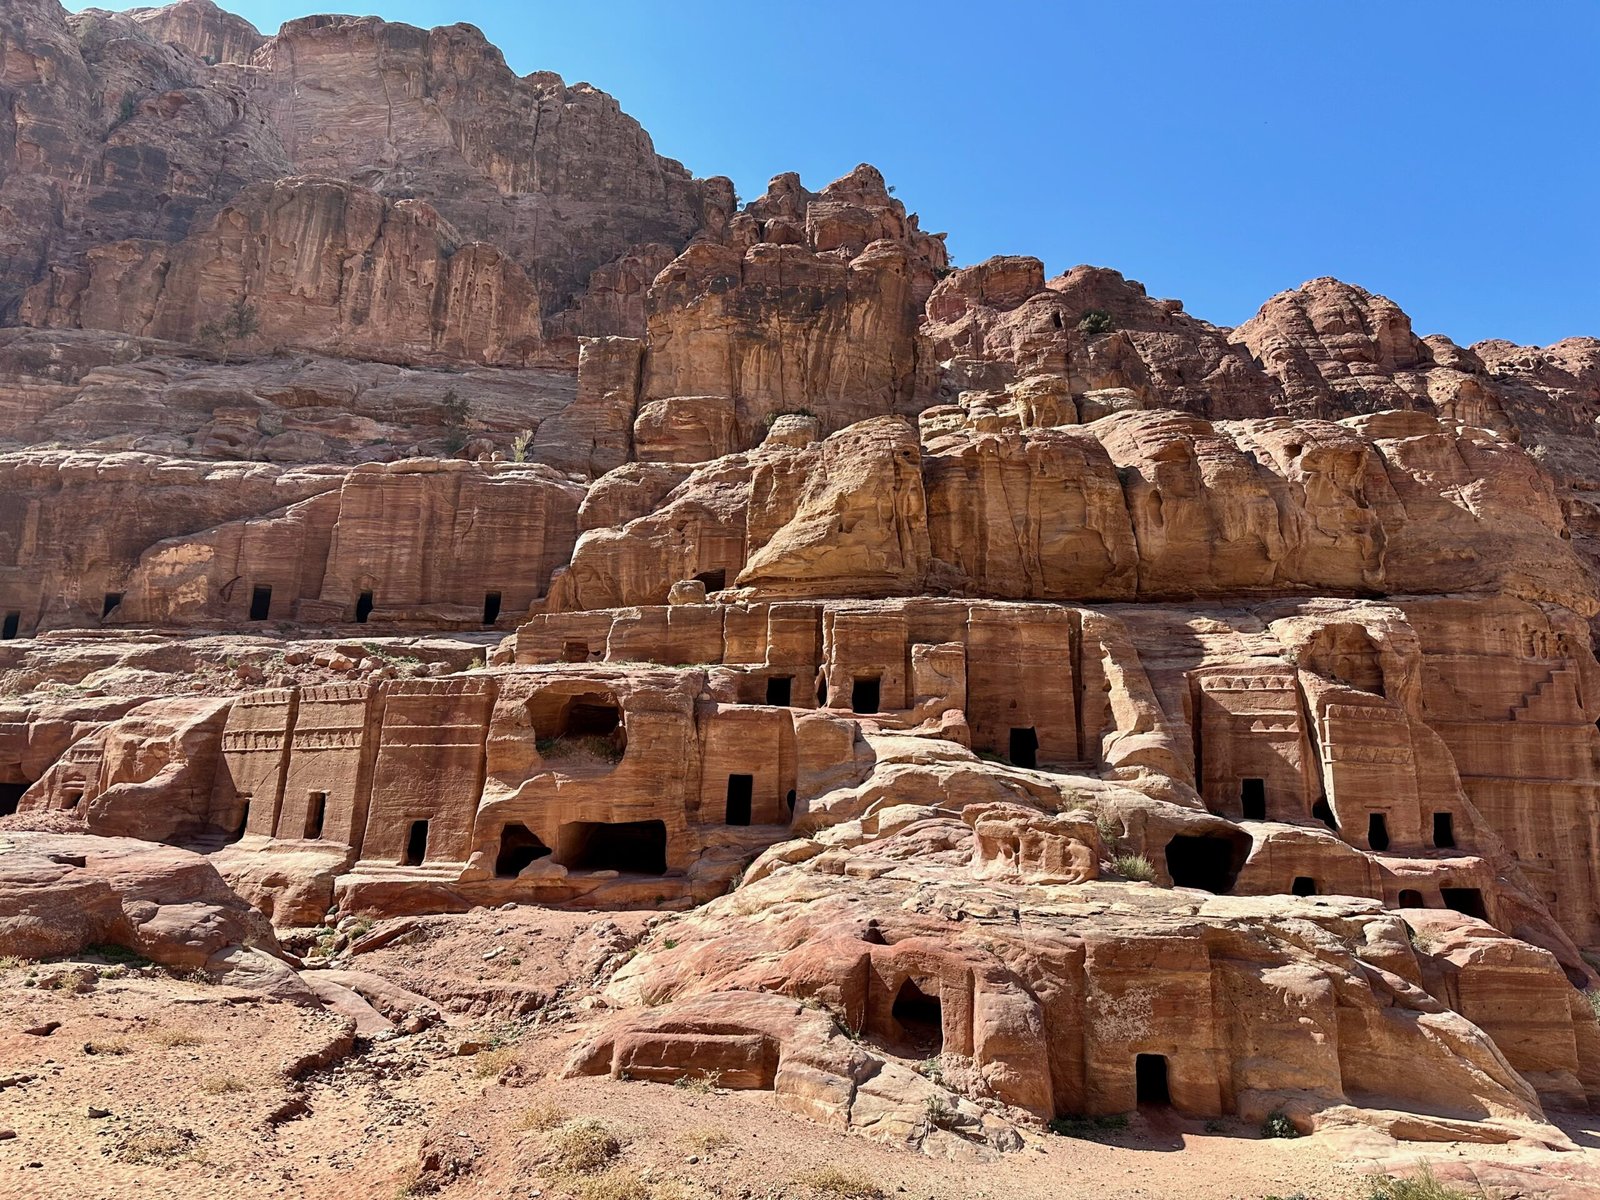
(865, 694)
(363, 607)
(779, 689)
(1444, 830)
(1304, 885)
(1378, 831)
(260, 602)
(1465, 900)
(633, 847)
(491, 607)
(520, 848)
(1024, 748)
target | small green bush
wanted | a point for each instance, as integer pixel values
(1277, 1125)
(1423, 1186)
(1135, 867)
(1095, 322)
(592, 746)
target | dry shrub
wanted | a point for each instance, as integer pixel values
(585, 1146)
(830, 1181)
(706, 1138)
(542, 1116)
(153, 1142)
(491, 1064)
(177, 1038)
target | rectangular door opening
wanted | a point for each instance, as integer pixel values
(864, 694)
(316, 813)
(416, 844)
(715, 580)
(919, 1019)
(779, 689)
(1150, 1079)
(1304, 885)
(1378, 831)
(741, 790)
(8, 629)
(491, 607)
(1410, 898)
(1253, 799)
(260, 602)
(1024, 748)
(112, 599)
(363, 607)
(1444, 830)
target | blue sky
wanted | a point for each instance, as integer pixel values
(1442, 153)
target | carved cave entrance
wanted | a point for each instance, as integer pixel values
(8, 630)
(1150, 1079)
(1465, 900)
(316, 813)
(110, 602)
(1304, 885)
(919, 1019)
(1444, 830)
(1410, 899)
(10, 797)
(779, 689)
(1208, 862)
(1378, 831)
(260, 602)
(416, 844)
(363, 607)
(865, 693)
(520, 848)
(741, 796)
(491, 607)
(1253, 799)
(1023, 750)
(632, 847)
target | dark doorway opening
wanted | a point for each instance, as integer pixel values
(779, 689)
(491, 607)
(112, 599)
(1378, 831)
(715, 580)
(1465, 900)
(520, 848)
(585, 718)
(1209, 863)
(789, 800)
(1150, 1079)
(239, 826)
(1410, 899)
(741, 791)
(1444, 830)
(8, 629)
(363, 607)
(864, 694)
(316, 813)
(574, 651)
(1304, 885)
(416, 844)
(637, 847)
(11, 797)
(260, 602)
(73, 796)
(1253, 799)
(920, 1018)
(1024, 749)
(1323, 811)
(822, 691)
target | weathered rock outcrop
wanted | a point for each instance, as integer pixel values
(325, 265)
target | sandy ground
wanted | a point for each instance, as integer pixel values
(196, 1084)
